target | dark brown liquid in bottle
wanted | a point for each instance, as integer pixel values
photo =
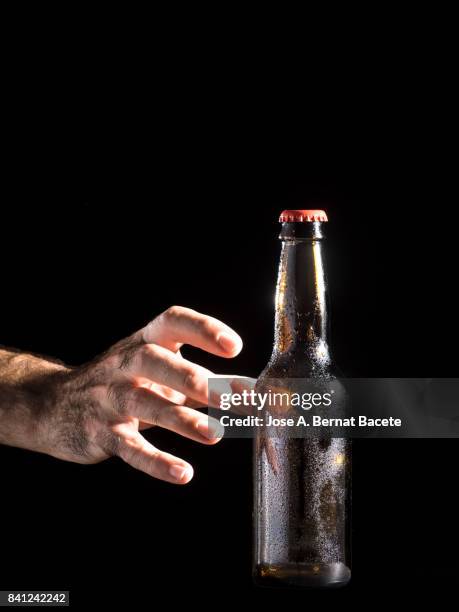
(302, 485)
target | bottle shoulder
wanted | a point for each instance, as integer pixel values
(298, 366)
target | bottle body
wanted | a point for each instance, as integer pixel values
(302, 511)
(302, 491)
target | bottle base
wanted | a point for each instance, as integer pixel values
(303, 575)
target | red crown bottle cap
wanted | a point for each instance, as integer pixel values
(302, 216)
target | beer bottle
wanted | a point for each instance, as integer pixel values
(301, 485)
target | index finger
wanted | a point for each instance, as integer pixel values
(179, 325)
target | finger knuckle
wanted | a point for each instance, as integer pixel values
(192, 381)
(154, 414)
(173, 312)
(151, 465)
(181, 419)
(118, 396)
(147, 352)
(131, 399)
(206, 327)
(128, 354)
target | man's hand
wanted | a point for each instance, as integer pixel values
(95, 411)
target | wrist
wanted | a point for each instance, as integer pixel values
(27, 396)
(48, 408)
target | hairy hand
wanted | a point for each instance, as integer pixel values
(96, 411)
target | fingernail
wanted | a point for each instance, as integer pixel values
(181, 473)
(209, 429)
(230, 343)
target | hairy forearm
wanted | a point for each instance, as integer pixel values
(25, 389)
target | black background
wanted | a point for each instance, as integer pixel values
(108, 216)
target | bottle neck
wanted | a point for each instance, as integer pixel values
(301, 296)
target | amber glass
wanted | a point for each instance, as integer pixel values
(302, 487)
